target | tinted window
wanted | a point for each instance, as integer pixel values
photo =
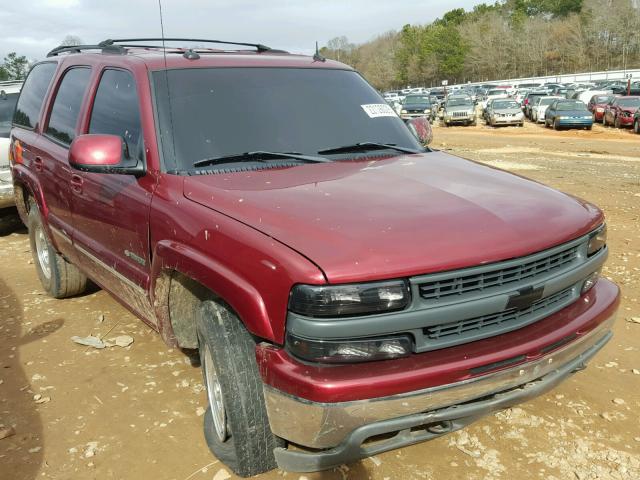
(7, 106)
(66, 107)
(115, 110)
(568, 106)
(211, 112)
(32, 96)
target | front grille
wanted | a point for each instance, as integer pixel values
(510, 319)
(460, 114)
(462, 283)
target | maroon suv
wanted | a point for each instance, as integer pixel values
(349, 291)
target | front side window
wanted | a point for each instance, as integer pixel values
(207, 113)
(116, 110)
(66, 107)
(7, 106)
(32, 96)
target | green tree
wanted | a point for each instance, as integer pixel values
(16, 66)
(3, 73)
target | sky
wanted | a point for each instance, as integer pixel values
(33, 27)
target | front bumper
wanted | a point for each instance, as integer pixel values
(575, 122)
(459, 119)
(409, 116)
(626, 121)
(570, 340)
(507, 120)
(6, 188)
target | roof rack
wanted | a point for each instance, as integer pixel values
(258, 46)
(117, 46)
(106, 48)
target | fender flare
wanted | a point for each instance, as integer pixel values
(170, 256)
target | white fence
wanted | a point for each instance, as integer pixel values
(571, 77)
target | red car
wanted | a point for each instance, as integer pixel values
(597, 106)
(619, 112)
(341, 282)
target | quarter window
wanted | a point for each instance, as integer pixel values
(116, 112)
(66, 107)
(33, 93)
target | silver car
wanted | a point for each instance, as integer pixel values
(504, 112)
(459, 110)
(9, 92)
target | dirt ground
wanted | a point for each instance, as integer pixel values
(136, 412)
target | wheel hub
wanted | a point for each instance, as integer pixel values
(42, 251)
(214, 393)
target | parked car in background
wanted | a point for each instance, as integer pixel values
(538, 111)
(620, 111)
(530, 98)
(597, 105)
(636, 121)
(566, 113)
(586, 96)
(459, 110)
(559, 91)
(415, 106)
(520, 94)
(504, 112)
(493, 94)
(9, 92)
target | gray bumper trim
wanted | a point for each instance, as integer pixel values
(437, 423)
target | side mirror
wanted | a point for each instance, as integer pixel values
(421, 129)
(103, 154)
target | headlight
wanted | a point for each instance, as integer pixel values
(599, 109)
(426, 110)
(403, 111)
(588, 117)
(350, 351)
(349, 300)
(597, 240)
(562, 117)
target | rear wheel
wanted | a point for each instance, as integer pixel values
(59, 278)
(236, 426)
(616, 122)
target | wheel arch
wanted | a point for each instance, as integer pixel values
(182, 278)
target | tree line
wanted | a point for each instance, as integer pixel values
(507, 39)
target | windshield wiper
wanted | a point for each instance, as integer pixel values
(259, 156)
(366, 146)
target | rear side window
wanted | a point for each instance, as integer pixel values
(7, 106)
(32, 96)
(116, 112)
(66, 107)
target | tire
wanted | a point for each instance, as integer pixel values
(556, 124)
(59, 278)
(227, 351)
(636, 126)
(616, 122)
(590, 127)
(604, 119)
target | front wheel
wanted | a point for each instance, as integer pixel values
(236, 426)
(556, 124)
(616, 122)
(636, 126)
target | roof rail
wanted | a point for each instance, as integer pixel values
(106, 48)
(111, 42)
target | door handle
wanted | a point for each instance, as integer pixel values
(38, 164)
(76, 183)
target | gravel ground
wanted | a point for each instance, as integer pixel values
(135, 412)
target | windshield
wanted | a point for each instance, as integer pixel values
(416, 99)
(496, 92)
(7, 106)
(505, 105)
(214, 112)
(457, 102)
(565, 106)
(546, 101)
(602, 99)
(629, 102)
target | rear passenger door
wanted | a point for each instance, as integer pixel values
(111, 211)
(51, 158)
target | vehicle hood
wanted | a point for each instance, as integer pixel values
(508, 111)
(459, 108)
(397, 217)
(417, 106)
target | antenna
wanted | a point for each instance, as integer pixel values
(316, 56)
(166, 79)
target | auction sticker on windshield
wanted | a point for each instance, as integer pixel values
(375, 110)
